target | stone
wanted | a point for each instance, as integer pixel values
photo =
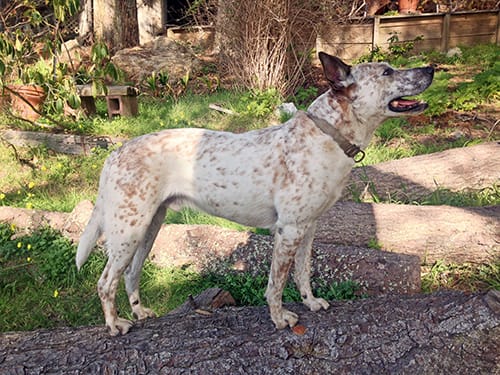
(161, 54)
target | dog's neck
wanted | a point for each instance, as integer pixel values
(337, 110)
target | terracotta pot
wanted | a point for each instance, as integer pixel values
(4, 100)
(408, 6)
(34, 94)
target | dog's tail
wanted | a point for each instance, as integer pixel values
(89, 237)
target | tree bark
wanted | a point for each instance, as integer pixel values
(65, 143)
(451, 234)
(409, 179)
(444, 333)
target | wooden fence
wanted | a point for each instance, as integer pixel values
(440, 31)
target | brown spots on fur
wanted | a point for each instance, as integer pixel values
(220, 186)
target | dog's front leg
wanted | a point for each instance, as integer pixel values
(286, 241)
(302, 273)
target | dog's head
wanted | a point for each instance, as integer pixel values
(377, 89)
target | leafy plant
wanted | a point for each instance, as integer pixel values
(100, 70)
(484, 88)
(304, 97)
(259, 103)
(396, 49)
(24, 26)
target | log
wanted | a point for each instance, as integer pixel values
(209, 248)
(409, 179)
(449, 234)
(443, 333)
(63, 143)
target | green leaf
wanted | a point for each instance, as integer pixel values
(74, 101)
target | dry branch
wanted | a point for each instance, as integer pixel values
(445, 333)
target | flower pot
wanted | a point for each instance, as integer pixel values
(33, 94)
(4, 100)
(408, 6)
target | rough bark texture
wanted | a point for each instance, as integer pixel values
(64, 143)
(407, 179)
(451, 234)
(446, 333)
(217, 249)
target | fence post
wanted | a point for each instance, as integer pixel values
(498, 29)
(445, 32)
(375, 31)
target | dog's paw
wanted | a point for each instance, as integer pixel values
(140, 313)
(119, 327)
(316, 304)
(284, 318)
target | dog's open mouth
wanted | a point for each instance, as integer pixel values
(407, 105)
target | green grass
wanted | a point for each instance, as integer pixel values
(466, 277)
(41, 287)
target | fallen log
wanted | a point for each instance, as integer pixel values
(467, 168)
(450, 234)
(443, 333)
(210, 248)
(64, 143)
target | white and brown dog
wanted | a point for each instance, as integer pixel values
(282, 177)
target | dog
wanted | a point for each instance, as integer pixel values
(282, 177)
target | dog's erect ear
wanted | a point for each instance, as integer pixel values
(335, 70)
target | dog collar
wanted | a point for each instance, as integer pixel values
(350, 149)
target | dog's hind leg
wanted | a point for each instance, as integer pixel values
(133, 272)
(107, 285)
(302, 274)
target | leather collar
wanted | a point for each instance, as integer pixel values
(351, 150)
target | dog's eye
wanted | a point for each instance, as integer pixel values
(388, 72)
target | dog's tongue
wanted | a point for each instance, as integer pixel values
(404, 103)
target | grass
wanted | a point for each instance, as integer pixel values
(38, 275)
(39, 285)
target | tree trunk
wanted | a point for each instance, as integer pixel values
(115, 22)
(408, 179)
(451, 234)
(85, 24)
(445, 333)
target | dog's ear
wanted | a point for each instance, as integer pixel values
(336, 71)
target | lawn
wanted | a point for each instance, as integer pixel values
(39, 284)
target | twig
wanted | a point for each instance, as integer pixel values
(492, 129)
(221, 109)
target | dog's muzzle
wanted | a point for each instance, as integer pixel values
(402, 105)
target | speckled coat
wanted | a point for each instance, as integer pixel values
(282, 177)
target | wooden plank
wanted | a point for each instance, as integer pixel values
(409, 34)
(359, 33)
(471, 40)
(86, 90)
(445, 33)
(465, 25)
(345, 51)
(417, 21)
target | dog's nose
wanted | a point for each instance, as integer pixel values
(430, 70)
